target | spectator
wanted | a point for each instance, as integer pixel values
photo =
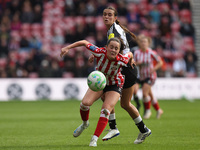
(30, 64)
(37, 14)
(35, 43)
(186, 28)
(80, 31)
(14, 6)
(16, 23)
(184, 4)
(82, 10)
(177, 41)
(69, 36)
(90, 8)
(24, 43)
(121, 9)
(69, 8)
(191, 67)
(79, 64)
(167, 43)
(45, 69)
(5, 21)
(179, 66)
(191, 63)
(21, 72)
(27, 15)
(56, 71)
(58, 38)
(155, 15)
(3, 47)
(4, 33)
(3, 73)
(164, 26)
(132, 14)
(13, 44)
(11, 69)
(100, 40)
(69, 65)
(101, 6)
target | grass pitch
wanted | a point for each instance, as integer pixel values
(49, 125)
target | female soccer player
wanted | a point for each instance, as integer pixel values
(115, 29)
(109, 62)
(145, 58)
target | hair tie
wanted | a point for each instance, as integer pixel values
(117, 21)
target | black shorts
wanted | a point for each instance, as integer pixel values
(148, 81)
(130, 75)
(112, 88)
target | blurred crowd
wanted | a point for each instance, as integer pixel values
(32, 34)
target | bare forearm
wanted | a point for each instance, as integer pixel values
(77, 44)
(66, 49)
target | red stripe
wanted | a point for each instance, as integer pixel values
(109, 79)
(103, 62)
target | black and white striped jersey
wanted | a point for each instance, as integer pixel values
(116, 31)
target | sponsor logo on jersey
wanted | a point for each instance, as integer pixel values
(112, 35)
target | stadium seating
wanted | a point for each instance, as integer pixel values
(56, 24)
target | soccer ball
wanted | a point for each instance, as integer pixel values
(96, 81)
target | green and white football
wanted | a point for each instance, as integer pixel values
(96, 81)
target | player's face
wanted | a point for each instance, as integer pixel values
(113, 49)
(109, 17)
(144, 43)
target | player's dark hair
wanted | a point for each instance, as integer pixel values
(119, 40)
(123, 27)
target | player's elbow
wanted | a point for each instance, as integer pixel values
(84, 42)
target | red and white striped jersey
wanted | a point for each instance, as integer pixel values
(110, 68)
(147, 59)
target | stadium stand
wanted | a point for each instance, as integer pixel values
(33, 32)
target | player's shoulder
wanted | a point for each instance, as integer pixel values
(117, 28)
(122, 58)
(153, 51)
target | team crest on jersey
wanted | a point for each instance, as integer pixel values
(113, 68)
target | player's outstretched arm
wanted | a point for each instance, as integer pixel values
(66, 49)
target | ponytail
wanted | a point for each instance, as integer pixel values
(126, 30)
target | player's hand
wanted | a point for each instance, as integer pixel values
(64, 51)
(133, 62)
(91, 59)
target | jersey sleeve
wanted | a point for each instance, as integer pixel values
(127, 57)
(124, 59)
(96, 51)
(155, 56)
